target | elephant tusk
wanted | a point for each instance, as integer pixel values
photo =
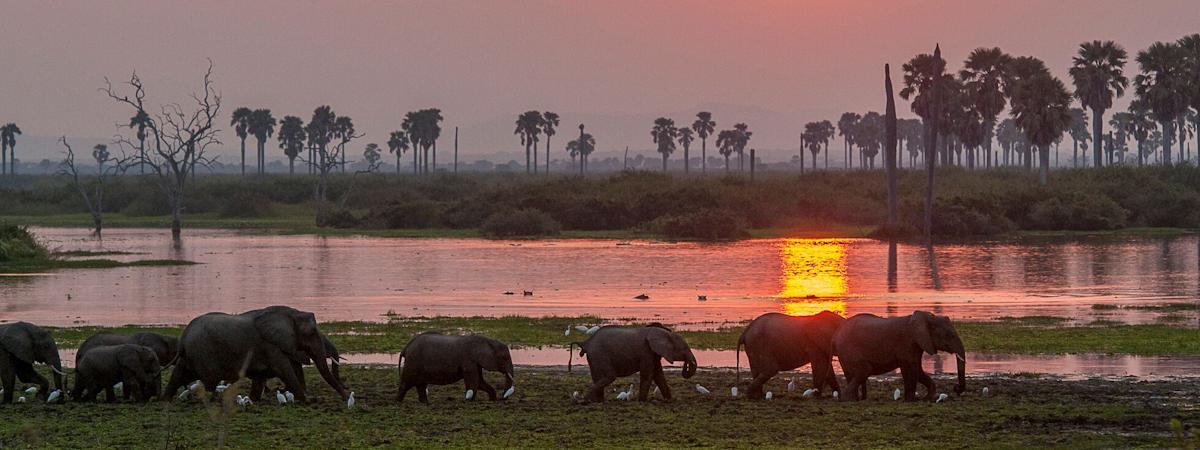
(960, 357)
(55, 370)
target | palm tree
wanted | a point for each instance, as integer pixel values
(343, 131)
(827, 133)
(1160, 87)
(412, 127)
(140, 121)
(431, 119)
(291, 140)
(685, 139)
(726, 142)
(549, 121)
(529, 125)
(1191, 49)
(1007, 136)
(984, 74)
(869, 135)
(1098, 76)
(371, 157)
(397, 143)
(846, 126)
(704, 127)
(809, 141)
(581, 147)
(241, 125)
(743, 139)
(8, 139)
(664, 133)
(1079, 134)
(1042, 109)
(923, 78)
(262, 126)
(1140, 127)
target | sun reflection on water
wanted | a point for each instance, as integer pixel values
(813, 271)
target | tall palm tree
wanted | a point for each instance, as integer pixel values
(1007, 136)
(1099, 78)
(8, 139)
(398, 143)
(1140, 127)
(431, 119)
(726, 142)
(1042, 109)
(412, 127)
(581, 147)
(664, 133)
(1160, 87)
(846, 125)
(529, 125)
(685, 139)
(140, 122)
(809, 140)
(704, 127)
(1079, 134)
(869, 135)
(291, 140)
(1121, 123)
(984, 74)
(1191, 50)
(827, 133)
(549, 121)
(262, 126)
(743, 139)
(241, 125)
(923, 79)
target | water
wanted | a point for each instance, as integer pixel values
(360, 278)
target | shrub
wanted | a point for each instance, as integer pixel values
(1077, 211)
(149, 204)
(705, 224)
(340, 218)
(246, 204)
(521, 222)
(405, 213)
(16, 242)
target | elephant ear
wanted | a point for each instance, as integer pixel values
(660, 343)
(19, 343)
(484, 356)
(130, 358)
(919, 322)
(280, 329)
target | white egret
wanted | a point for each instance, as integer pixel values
(702, 390)
(581, 328)
(511, 390)
(183, 396)
(194, 386)
(808, 393)
(575, 396)
(291, 398)
(280, 398)
(622, 395)
(593, 329)
(54, 396)
(770, 395)
(31, 391)
(656, 391)
(836, 395)
(941, 397)
(792, 385)
(350, 401)
(568, 332)
(733, 391)
(985, 391)
(896, 395)
(21, 399)
(221, 386)
(470, 394)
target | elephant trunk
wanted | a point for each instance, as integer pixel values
(961, 356)
(59, 375)
(689, 365)
(330, 375)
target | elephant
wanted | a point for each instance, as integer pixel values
(776, 342)
(258, 378)
(134, 365)
(21, 345)
(165, 348)
(615, 351)
(269, 342)
(871, 345)
(435, 358)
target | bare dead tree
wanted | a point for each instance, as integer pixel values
(180, 138)
(94, 200)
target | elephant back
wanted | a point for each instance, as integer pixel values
(98, 340)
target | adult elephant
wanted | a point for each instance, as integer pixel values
(615, 351)
(21, 345)
(776, 342)
(871, 345)
(435, 358)
(165, 348)
(272, 341)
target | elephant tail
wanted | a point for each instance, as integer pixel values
(571, 353)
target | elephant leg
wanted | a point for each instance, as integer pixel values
(282, 367)
(862, 388)
(823, 375)
(8, 378)
(756, 385)
(257, 386)
(423, 393)
(595, 392)
(645, 377)
(404, 387)
(660, 379)
(110, 394)
(27, 374)
(471, 378)
(135, 388)
(930, 386)
(180, 376)
(909, 375)
(485, 387)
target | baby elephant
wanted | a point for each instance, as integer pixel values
(164, 347)
(435, 358)
(620, 352)
(102, 367)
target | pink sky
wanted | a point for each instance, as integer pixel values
(484, 60)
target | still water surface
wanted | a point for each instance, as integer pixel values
(362, 278)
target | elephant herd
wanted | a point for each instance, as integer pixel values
(277, 341)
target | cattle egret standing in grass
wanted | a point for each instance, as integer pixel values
(21, 399)
(470, 394)
(194, 386)
(835, 395)
(770, 395)
(985, 391)
(733, 391)
(511, 390)
(593, 329)
(896, 395)
(655, 392)
(941, 397)
(291, 398)
(119, 388)
(575, 395)
(350, 401)
(581, 328)
(701, 389)
(54, 396)
(808, 393)
(568, 332)
(280, 398)
(31, 391)
(622, 395)
(221, 386)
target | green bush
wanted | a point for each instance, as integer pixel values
(705, 224)
(17, 243)
(520, 223)
(1077, 211)
(246, 204)
(405, 213)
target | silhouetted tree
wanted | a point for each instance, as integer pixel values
(240, 122)
(743, 135)
(726, 143)
(889, 144)
(1079, 134)
(984, 74)
(529, 126)
(549, 122)
(291, 140)
(262, 126)
(1140, 127)
(846, 126)
(139, 121)
(95, 199)
(8, 140)
(1160, 87)
(397, 143)
(372, 157)
(1099, 78)
(664, 133)
(704, 127)
(685, 139)
(1042, 109)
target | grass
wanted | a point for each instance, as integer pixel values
(1021, 412)
(31, 266)
(21, 252)
(89, 253)
(1034, 335)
